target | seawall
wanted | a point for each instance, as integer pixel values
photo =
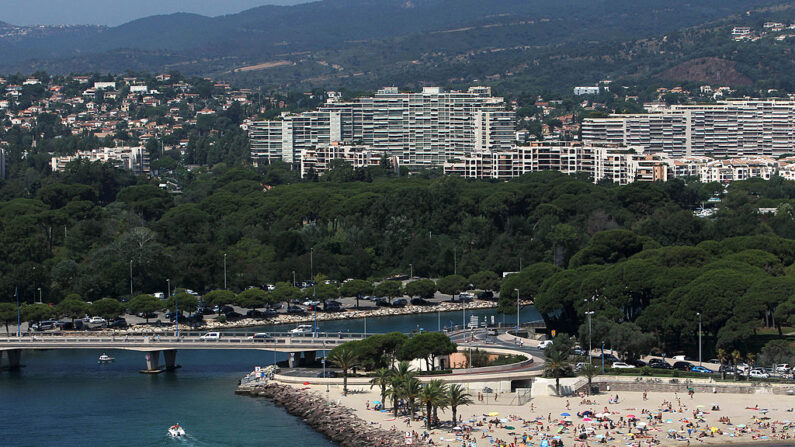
(338, 423)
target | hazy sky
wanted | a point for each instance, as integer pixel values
(116, 12)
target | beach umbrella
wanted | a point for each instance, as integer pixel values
(457, 428)
(641, 424)
(565, 414)
(587, 419)
(376, 402)
(714, 429)
(494, 413)
(629, 416)
(699, 406)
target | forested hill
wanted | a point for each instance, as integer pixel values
(321, 39)
(637, 246)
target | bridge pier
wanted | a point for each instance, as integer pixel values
(152, 362)
(308, 359)
(14, 358)
(170, 357)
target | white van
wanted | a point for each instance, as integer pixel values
(302, 329)
(211, 336)
(545, 344)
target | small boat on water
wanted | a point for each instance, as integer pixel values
(104, 358)
(175, 431)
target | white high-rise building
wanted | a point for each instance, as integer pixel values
(752, 127)
(421, 129)
(135, 159)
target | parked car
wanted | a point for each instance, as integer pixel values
(466, 297)
(683, 366)
(758, 374)
(211, 336)
(400, 302)
(295, 309)
(701, 369)
(332, 307)
(310, 303)
(419, 302)
(381, 302)
(267, 313)
(276, 306)
(45, 325)
(545, 344)
(486, 295)
(232, 315)
(659, 364)
(608, 358)
(621, 365)
(118, 323)
(637, 363)
(781, 367)
(254, 313)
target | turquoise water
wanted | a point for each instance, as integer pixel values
(64, 398)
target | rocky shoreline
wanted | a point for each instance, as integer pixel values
(338, 423)
(321, 316)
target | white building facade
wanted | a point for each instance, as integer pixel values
(422, 129)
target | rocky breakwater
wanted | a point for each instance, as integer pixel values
(338, 423)
(350, 314)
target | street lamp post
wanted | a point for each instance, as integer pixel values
(411, 275)
(19, 314)
(603, 357)
(517, 312)
(312, 264)
(40, 299)
(176, 314)
(699, 338)
(455, 260)
(224, 271)
(131, 285)
(168, 288)
(590, 345)
(293, 278)
(314, 304)
(463, 314)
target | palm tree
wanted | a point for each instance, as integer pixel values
(723, 358)
(381, 379)
(433, 394)
(346, 358)
(456, 397)
(395, 391)
(401, 373)
(555, 365)
(750, 358)
(590, 371)
(411, 389)
(736, 358)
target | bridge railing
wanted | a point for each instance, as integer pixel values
(248, 338)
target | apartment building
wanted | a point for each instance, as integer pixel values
(728, 129)
(135, 159)
(318, 160)
(617, 164)
(421, 129)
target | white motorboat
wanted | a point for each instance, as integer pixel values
(104, 358)
(175, 431)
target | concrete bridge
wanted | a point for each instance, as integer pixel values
(154, 344)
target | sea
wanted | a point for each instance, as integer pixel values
(65, 398)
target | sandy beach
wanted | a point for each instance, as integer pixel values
(636, 419)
